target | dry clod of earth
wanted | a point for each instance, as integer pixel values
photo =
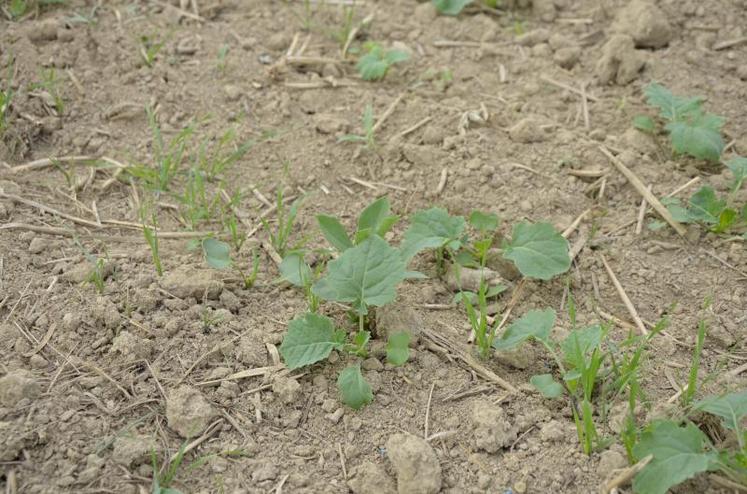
(645, 23)
(18, 385)
(371, 478)
(131, 346)
(188, 411)
(492, 430)
(397, 317)
(415, 463)
(287, 389)
(133, 449)
(527, 130)
(609, 461)
(186, 281)
(620, 61)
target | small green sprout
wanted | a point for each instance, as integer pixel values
(368, 136)
(280, 236)
(450, 7)
(222, 63)
(149, 49)
(50, 84)
(6, 98)
(151, 237)
(374, 65)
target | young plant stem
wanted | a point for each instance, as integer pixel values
(692, 380)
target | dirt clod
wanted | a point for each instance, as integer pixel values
(395, 318)
(132, 346)
(527, 130)
(189, 282)
(620, 61)
(645, 23)
(492, 429)
(370, 478)
(17, 385)
(416, 464)
(132, 450)
(188, 412)
(286, 389)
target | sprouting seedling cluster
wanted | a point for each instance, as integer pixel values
(6, 97)
(368, 137)
(375, 64)
(455, 7)
(697, 133)
(364, 275)
(692, 130)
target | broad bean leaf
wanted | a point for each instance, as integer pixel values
(644, 123)
(355, 391)
(374, 65)
(580, 343)
(731, 407)
(679, 454)
(217, 253)
(537, 250)
(738, 167)
(375, 219)
(294, 269)
(679, 212)
(483, 222)
(547, 385)
(334, 232)
(705, 207)
(450, 7)
(310, 338)
(432, 228)
(698, 136)
(534, 324)
(397, 348)
(367, 274)
(671, 107)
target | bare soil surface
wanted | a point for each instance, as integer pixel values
(499, 111)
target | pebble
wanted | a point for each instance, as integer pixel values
(336, 415)
(233, 92)
(38, 245)
(372, 364)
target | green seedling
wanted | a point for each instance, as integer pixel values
(218, 256)
(375, 219)
(537, 250)
(692, 378)
(50, 84)
(692, 131)
(149, 49)
(97, 274)
(151, 238)
(6, 98)
(297, 272)
(168, 158)
(368, 136)
(312, 337)
(222, 62)
(450, 7)
(280, 236)
(680, 450)
(579, 359)
(374, 65)
(718, 214)
(215, 160)
(18, 8)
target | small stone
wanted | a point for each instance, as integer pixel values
(492, 430)
(520, 487)
(286, 389)
(188, 412)
(567, 57)
(132, 347)
(534, 37)
(233, 92)
(434, 135)
(38, 245)
(372, 364)
(38, 362)
(132, 449)
(371, 478)
(336, 415)
(278, 41)
(610, 460)
(552, 432)
(44, 31)
(267, 470)
(16, 386)
(415, 463)
(526, 131)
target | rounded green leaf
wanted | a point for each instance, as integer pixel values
(217, 253)
(310, 338)
(538, 250)
(431, 229)
(534, 324)
(484, 222)
(354, 389)
(397, 348)
(546, 385)
(294, 269)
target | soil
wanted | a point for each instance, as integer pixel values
(94, 382)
